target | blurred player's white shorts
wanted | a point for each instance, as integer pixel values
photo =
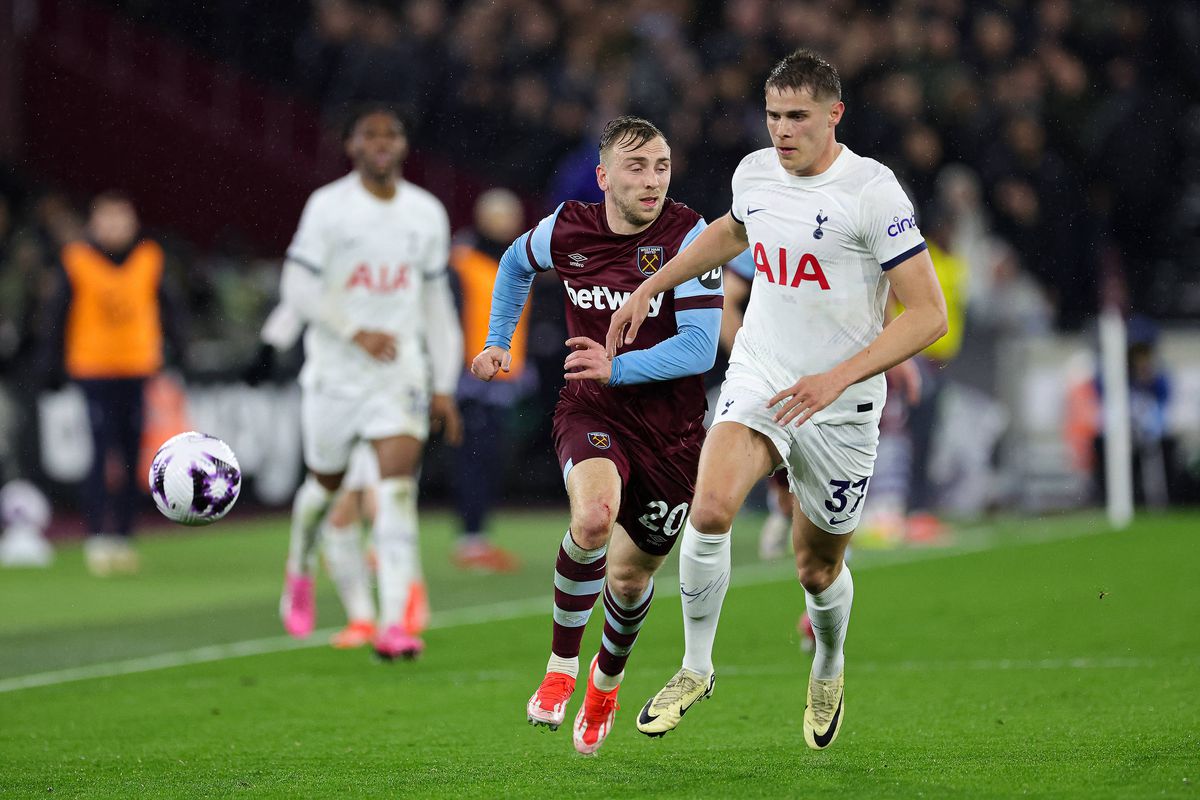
(363, 472)
(829, 465)
(332, 422)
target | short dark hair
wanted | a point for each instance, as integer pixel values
(804, 69)
(629, 133)
(356, 115)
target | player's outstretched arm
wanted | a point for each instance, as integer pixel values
(921, 324)
(518, 266)
(717, 244)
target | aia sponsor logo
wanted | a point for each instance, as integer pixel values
(599, 440)
(790, 272)
(899, 225)
(383, 279)
(650, 259)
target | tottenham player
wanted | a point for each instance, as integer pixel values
(627, 432)
(367, 273)
(829, 231)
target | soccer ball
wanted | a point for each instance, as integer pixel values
(194, 478)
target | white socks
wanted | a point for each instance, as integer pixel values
(347, 567)
(829, 613)
(703, 580)
(567, 666)
(308, 510)
(396, 546)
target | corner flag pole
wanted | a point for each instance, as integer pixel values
(1118, 448)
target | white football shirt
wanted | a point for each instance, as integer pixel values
(372, 256)
(821, 247)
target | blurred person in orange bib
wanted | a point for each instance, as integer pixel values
(108, 320)
(485, 406)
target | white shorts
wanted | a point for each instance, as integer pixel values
(363, 472)
(829, 465)
(332, 423)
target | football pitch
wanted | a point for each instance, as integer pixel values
(1033, 657)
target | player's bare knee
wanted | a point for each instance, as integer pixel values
(815, 573)
(711, 516)
(628, 587)
(592, 522)
(341, 517)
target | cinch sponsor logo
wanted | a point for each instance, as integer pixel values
(806, 268)
(603, 298)
(899, 226)
(379, 280)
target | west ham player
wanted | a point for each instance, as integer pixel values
(628, 431)
(367, 272)
(829, 231)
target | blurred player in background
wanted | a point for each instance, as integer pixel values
(805, 386)
(627, 431)
(367, 273)
(107, 322)
(350, 516)
(485, 407)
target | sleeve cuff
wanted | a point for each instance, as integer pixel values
(905, 256)
(614, 377)
(496, 341)
(304, 262)
(735, 217)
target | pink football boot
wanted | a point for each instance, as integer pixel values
(395, 642)
(298, 606)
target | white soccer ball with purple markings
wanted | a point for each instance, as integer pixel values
(195, 479)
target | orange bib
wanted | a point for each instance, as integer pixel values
(477, 276)
(113, 326)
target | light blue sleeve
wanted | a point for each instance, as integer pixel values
(691, 351)
(743, 265)
(523, 259)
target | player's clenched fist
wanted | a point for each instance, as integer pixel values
(445, 418)
(631, 314)
(493, 359)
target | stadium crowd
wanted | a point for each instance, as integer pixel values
(1068, 111)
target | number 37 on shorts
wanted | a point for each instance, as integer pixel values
(845, 499)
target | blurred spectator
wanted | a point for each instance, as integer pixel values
(485, 407)
(952, 273)
(107, 323)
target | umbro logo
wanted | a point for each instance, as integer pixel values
(578, 258)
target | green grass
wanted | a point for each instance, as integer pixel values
(1045, 658)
